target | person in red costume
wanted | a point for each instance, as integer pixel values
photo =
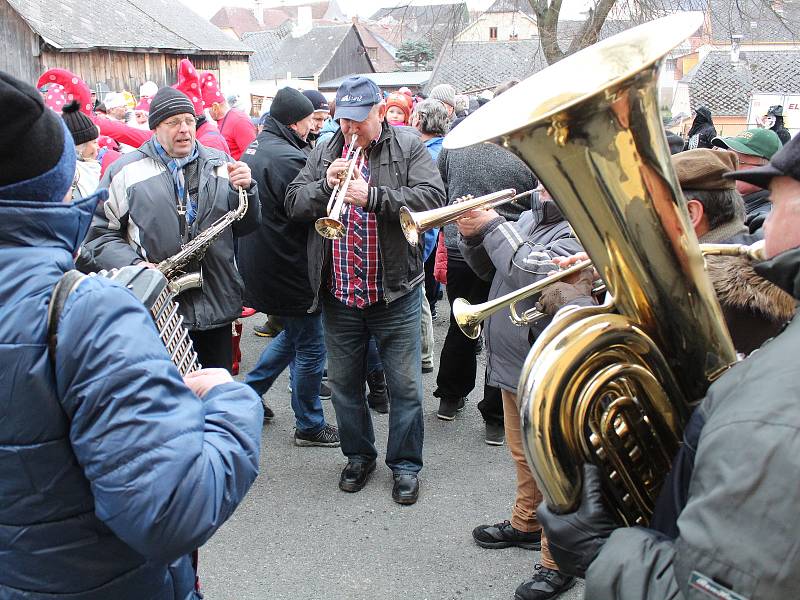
(189, 84)
(235, 126)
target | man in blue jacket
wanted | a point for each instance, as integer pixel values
(112, 470)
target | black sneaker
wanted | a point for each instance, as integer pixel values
(495, 434)
(503, 535)
(544, 585)
(449, 407)
(269, 414)
(327, 437)
(324, 391)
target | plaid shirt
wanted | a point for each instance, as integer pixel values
(357, 274)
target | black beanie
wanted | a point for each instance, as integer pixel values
(79, 125)
(32, 135)
(290, 106)
(167, 103)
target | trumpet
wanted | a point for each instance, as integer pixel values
(469, 317)
(414, 224)
(331, 227)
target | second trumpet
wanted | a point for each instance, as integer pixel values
(331, 227)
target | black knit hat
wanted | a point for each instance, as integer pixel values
(31, 135)
(167, 103)
(317, 100)
(290, 106)
(79, 125)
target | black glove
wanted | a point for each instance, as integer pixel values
(575, 539)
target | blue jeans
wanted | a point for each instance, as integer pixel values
(395, 328)
(302, 346)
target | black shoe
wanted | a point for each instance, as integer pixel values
(324, 391)
(327, 437)
(545, 584)
(355, 475)
(378, 397)
(406, 488)
(449, 407)
(503, 535)
(427, 368)
(495, 434)
(268, 412)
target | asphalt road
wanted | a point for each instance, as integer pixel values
(296, 536)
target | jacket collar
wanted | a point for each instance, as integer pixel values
(547, 213)
(273, 127)
(47, 224)
(783, 270)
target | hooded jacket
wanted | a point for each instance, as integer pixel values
(139, 222)
(702, 130)
(513, 255)
(273, 259)
(737, 526)
(401, 173)
(111, 469)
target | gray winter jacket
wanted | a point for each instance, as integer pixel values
(139, 221)
(738, 528)
(514, 255)
(401, 173)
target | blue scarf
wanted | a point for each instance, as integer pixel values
(175, 166)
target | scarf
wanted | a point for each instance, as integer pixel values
(175, 167)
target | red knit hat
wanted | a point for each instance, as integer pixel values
(189, 84)
(210, 89)
(74, 87)
(144, 104)
(402, 102)
(55, 97)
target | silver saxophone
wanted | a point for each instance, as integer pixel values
(173, 267)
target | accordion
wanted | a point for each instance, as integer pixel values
(153, 290)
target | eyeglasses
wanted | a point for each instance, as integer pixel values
(172, 123)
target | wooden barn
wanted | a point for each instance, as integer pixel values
(117, 44)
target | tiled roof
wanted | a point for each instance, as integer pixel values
(383, 61)
(137, 24)
(726, 88)
(303, 56)
(755, 20)
(473, 66)
(242, 20)
(393, 79)
(434, 23)
(502, 6)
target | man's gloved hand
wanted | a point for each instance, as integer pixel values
(559, 294)
(575, 539)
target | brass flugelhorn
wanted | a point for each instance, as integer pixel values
(331, 227)
(414, 224)
(469, 317)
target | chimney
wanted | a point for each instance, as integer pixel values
(303, 21)
(736, 43)
(258, 11)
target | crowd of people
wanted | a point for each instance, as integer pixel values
(106, 449)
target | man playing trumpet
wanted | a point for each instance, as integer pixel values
(367, 279)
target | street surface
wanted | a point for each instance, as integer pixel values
(296, 536)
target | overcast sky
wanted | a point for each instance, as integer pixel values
(364, 8)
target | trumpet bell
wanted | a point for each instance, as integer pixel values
(329, 228)
(409, 226)
(467, 321)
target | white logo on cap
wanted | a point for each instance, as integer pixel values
(349, 98)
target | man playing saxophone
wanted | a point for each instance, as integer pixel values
(725, 524)
(513, 255)
(161, 197)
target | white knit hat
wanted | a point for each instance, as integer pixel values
(114, 100)
(444, 92)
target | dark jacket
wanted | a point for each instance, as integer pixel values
(702, 130)
(757, 206)
(780, 129)
(513, 255)
(401, 173)
(111, 470)
(139, 221)
(273, 260)
(738, 524)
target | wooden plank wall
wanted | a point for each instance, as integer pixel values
(126, 70)
(19, 56)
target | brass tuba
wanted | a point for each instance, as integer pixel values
(612, 385)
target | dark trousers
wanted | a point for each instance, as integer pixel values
(457, 363)
(213, 347)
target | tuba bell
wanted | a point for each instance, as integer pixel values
(612, 385)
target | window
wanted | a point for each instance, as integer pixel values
(493, 33)
(372, 52)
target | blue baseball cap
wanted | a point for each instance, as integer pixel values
(355, 98)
